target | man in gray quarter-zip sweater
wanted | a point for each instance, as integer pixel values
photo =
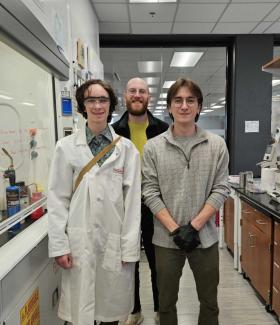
(184, 180)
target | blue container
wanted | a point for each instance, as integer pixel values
(13, 203)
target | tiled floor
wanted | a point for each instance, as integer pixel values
(238, 302)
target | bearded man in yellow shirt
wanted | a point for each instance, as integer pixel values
(139, 125)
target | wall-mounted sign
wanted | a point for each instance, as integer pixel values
(252, 126)
(80, 53)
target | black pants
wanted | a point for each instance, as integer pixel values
(147, 229)
(204, 264)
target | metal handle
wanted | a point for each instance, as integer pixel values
(276, 265)
(250, 240)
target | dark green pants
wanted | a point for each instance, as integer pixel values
(204, 264)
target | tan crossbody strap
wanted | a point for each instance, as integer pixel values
(93, 161)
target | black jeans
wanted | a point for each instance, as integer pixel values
(147, 229)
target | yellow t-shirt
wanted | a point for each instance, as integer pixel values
(138, 134)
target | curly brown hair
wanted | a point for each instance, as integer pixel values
(80, 96)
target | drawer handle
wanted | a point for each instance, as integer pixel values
(251, 244)
(275, 290)
(260, 222)
(276, 265)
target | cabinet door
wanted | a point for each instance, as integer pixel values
(256, 233)
(276, 270)
(229, 223)
(247, 246)
(261, 272)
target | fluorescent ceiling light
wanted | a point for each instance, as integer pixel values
(6, 97)
(217, 106)
(152, 90)
(202, 113)
(149, 66)
(275, 82)
(161, 102)
(168, 84)
(208, 110)
(27, 104)
(151, 80)
(185, 59)
(223, 102)
(151, 1)
(163, 95)
(223, 98)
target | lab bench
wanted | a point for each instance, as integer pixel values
(252, 234)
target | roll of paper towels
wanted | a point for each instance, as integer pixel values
(268, 179)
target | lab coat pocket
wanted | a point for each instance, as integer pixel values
(112, 256)
(76, 236)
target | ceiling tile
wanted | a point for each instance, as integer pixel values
(270, 1)
(274, 14)
(205, 1)
(233, 28)
(141, 12)
(111, 12)
(192, 28)
(151, 28)
(244, 12)
(108, 1)
(114, 28)
(274, 28)
(199, 12)
(261, 28)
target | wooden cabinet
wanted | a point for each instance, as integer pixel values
(276, 270)
(229, 223)
(256, 247)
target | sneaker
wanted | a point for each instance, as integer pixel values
(156, 317)
(134, 319)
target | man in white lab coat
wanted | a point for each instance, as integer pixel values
(94, 226)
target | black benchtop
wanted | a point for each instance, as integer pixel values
(260, 201)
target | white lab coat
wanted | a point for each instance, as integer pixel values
(99, 225)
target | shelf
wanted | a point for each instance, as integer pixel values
(273, 66)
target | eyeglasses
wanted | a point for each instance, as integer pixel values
(179, 101)
(133, 91)
(91, 101)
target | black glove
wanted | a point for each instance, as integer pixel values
(186, 237)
